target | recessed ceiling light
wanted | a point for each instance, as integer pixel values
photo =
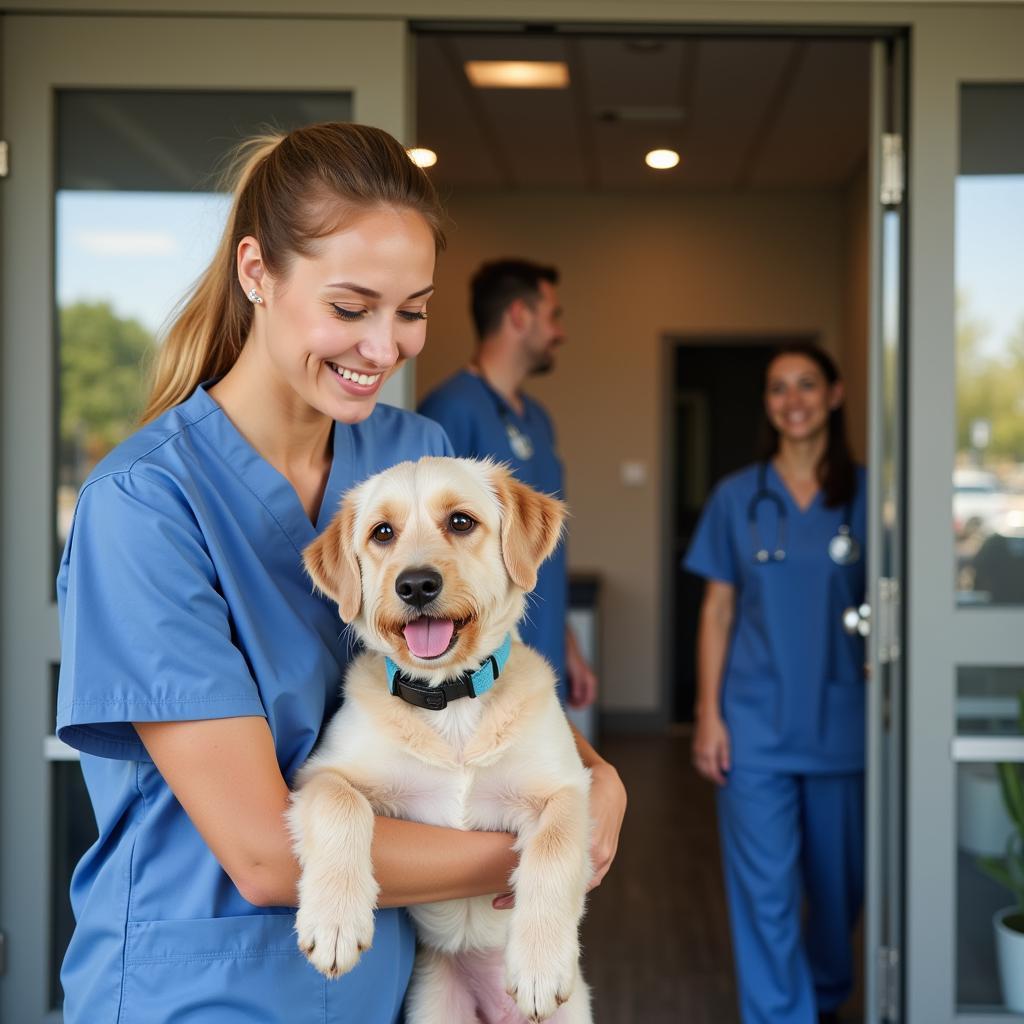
(662, 159)
(518, 74)
(422, 157)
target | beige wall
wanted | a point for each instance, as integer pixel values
(635, 268)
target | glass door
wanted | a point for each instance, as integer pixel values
(117, 130)
(965, 527)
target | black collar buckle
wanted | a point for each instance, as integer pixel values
(432, 698)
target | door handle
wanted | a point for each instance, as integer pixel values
(857, 621)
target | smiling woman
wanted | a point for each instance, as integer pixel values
(312, 195)
(314, 345)
(263, 413)
(780, 715)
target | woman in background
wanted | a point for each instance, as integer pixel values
(781, 698)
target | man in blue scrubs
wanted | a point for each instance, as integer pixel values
(485, 413)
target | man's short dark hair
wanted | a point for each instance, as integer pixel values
(498, 284)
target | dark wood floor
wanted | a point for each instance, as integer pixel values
(656, 936)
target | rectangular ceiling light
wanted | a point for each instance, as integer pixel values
(518, 74)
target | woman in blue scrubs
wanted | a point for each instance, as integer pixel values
(198, 666)
(780, 708)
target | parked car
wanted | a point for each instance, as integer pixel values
(978, 501)
(999, 563)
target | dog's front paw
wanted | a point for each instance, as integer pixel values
(333, 938)
(540, 978)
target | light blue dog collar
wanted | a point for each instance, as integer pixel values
(469, 684)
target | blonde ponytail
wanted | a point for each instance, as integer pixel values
(287, 188)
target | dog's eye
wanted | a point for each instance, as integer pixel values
(460, 522)
(382, 533)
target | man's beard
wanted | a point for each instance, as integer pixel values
(543, 364)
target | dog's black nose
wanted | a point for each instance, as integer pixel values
(418, 587)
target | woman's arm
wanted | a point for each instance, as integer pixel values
(711, 755)
(225, 774)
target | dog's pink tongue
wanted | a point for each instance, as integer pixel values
(427, 638)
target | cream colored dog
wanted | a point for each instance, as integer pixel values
(430, 563)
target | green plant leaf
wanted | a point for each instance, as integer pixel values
(995, 868)
(1013, 793)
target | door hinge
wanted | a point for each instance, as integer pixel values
(887, 620)
(4, 158)
(888, 984)
(891, 193)
(3, 954)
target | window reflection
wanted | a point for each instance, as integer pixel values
(990, 839)
(137, 219)
(988, 476)
(124, 259)
(989, 700)
(985, 841)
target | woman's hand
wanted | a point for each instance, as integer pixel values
(579, 674)
(607, 809)
(711, 752)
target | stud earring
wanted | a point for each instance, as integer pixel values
(255, 298)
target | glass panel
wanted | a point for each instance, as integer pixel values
(74, 831)
(137, 219)
(990, 842)
(988, 701)
(983, 830)
(988, 474)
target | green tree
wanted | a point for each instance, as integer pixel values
(101, 366)
(989, 387)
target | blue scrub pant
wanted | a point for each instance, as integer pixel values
(790, 842)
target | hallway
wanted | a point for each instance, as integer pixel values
(656, 946)
(655, 938)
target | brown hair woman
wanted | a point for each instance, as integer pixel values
(198, 665)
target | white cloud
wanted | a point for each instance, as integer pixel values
(127, 243)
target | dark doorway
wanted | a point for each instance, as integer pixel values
(714, 415)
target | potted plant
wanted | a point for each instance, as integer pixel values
(1008, 870)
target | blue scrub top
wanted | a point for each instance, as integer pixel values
(793, 693)
(476, 419)
(182, 595)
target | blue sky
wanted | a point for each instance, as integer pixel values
(990, 253)
(141, 251)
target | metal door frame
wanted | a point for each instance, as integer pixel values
(948, 49)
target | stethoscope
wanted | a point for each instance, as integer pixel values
(843, 549)
(520, 443)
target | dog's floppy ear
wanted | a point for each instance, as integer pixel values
(331, 562)
(531, 525)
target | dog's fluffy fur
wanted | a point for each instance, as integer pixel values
(505, 761)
